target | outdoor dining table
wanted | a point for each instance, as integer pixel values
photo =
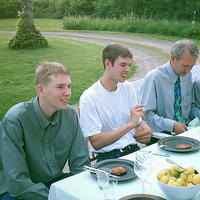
(83, 186)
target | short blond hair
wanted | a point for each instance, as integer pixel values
(46, 69)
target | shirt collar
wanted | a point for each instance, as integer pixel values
(171, 72)
(43, 121)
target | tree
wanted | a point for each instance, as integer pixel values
(26, 35)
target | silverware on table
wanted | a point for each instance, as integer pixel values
(173, 162)
(94, 170)
(158, 153)
(162, 146)
(161, 154)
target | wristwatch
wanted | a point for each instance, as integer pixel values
(139, 120)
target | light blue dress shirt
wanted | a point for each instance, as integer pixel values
(157, 95)
(197, 92)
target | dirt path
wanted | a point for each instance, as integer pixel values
(148, 53)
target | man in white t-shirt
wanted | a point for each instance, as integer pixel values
(109, 112)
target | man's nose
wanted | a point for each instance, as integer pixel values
(67, 91)
(128, 68)
(188, 69)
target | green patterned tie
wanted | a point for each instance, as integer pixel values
(177, 102)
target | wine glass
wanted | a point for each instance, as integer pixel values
(103, 177)
(143, 168)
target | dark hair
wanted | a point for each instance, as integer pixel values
(180, 46)
(112, 51)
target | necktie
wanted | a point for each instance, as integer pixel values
(177, 102)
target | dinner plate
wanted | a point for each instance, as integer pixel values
(141, 197)
(170, 143)
(111, 163)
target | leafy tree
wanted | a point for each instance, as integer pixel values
(26, 35)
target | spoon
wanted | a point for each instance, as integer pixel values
(173, 162)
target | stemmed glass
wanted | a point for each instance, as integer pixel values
(143, 168)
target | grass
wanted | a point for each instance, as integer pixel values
(57, 25)
(41, 24)
(135, 25)
(17, 68)
(83, 60)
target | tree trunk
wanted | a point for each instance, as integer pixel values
(26, 35)
(27, 16)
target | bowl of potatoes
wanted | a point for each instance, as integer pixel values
(179, 183)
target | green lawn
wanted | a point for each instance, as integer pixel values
(17, 68)
(57, 25)
(41, 24)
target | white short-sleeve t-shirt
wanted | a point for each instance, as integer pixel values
(104, 111)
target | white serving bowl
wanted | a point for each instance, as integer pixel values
(179, 193)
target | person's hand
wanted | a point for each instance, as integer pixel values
(135, 113)
(143, 133)
(179, 128)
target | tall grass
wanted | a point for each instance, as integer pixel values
(135, 25)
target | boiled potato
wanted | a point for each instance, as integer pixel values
(196, 179)
(164, 179)
(190, 178)
(190, 170)
(161, 173)
(177, 176)
(172, 182)
(180, 181)
(184, 176)
(174, 167)
(172, 178)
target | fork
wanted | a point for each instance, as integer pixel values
(93, 170)
(158, 154)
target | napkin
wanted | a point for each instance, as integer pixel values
(194, 123)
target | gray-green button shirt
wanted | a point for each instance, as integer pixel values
(34, 150)
(157, 95)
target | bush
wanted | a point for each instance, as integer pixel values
(9, 9)
(47, 9)
(134, 25)
(27, 38)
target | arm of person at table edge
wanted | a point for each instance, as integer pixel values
(103, 139)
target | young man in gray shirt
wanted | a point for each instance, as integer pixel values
(39, 136)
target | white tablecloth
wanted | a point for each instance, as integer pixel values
(83, 186)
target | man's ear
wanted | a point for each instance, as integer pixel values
(172, 58)
(39, 89)
(107, 63)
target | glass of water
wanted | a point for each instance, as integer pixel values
(143, 168)
(103, 176)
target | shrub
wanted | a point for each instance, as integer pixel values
(9, 9)
(24, 39)
(134, 25)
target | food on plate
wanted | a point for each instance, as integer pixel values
(118, 171)
(177, 176)
(183, 146)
